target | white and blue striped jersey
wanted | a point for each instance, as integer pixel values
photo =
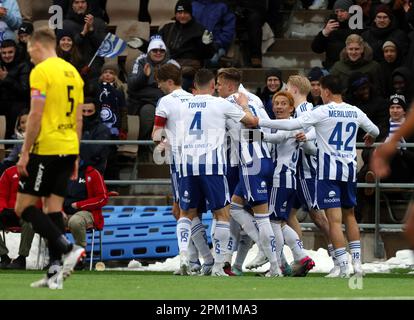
(286, 158)
(170, 108)
(257, 149)
(306, 163)
(203, 150)
(336, 125)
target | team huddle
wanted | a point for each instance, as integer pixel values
(226, 155)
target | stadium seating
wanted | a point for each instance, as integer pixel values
(133, 232)
(161, 11)
(122, 10)
(130, 151)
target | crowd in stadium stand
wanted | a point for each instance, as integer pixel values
(375, 64)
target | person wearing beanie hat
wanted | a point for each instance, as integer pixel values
(314, 96)
(25, 28)
(331, 39)
(156, 42)
(384, 28)
(188, 42)
(67, 49)
(184, 6)
(274, 84)
(342, 5)
(398, 99)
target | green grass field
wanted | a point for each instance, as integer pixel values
(159, 286)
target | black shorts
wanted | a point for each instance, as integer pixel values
(47, 175)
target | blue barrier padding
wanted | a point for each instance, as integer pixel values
(139, 232)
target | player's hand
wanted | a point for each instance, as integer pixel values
(207, 37)
(369, 140)
(301, 137)
(74, 175)
(147, 69)
(242, 100)
(381, 157)
(22, 164)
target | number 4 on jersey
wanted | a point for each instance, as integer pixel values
(195, 127)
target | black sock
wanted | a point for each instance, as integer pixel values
(57, 219)
(46, 228)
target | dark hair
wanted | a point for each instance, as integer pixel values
(8, 43)
(169, 71)
(90, 99)
(332, 83)
(203, 77)
(231, 74)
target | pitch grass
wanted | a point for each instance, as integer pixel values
(127, 285)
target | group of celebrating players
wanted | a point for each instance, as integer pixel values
(226, 155)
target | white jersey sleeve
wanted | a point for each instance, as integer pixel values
(367, 125)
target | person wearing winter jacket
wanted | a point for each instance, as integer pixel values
(143, 91)
(85, 198)
(14, 84)
(9, 182)
(216, 17)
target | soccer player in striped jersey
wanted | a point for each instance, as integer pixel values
(255, 177)
(203, 164)
(168, 117)
(336, 124)
(286, 153)
(299, 87)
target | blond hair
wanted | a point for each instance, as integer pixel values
(231, 74)
(302, 83)
(44, 36)
(355, 38)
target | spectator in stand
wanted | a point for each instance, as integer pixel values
(188, 42)
(331, 40)
(111, 99)
(67, 49)
(216, 17)
(356, 57)
(392, 60)
(361, 93)
(404, 15)
(23, 34)
(10, 19)
(402, 84)
(368, 12)
(382, 29)
(401, 164)
(85, 198)
(94, 129)
(88, 33)
(9, 182)
(14, 84)
(314, 96)
(251, 16)
(97, 8)
(274, 84)
(143, 91)
(19, 131)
